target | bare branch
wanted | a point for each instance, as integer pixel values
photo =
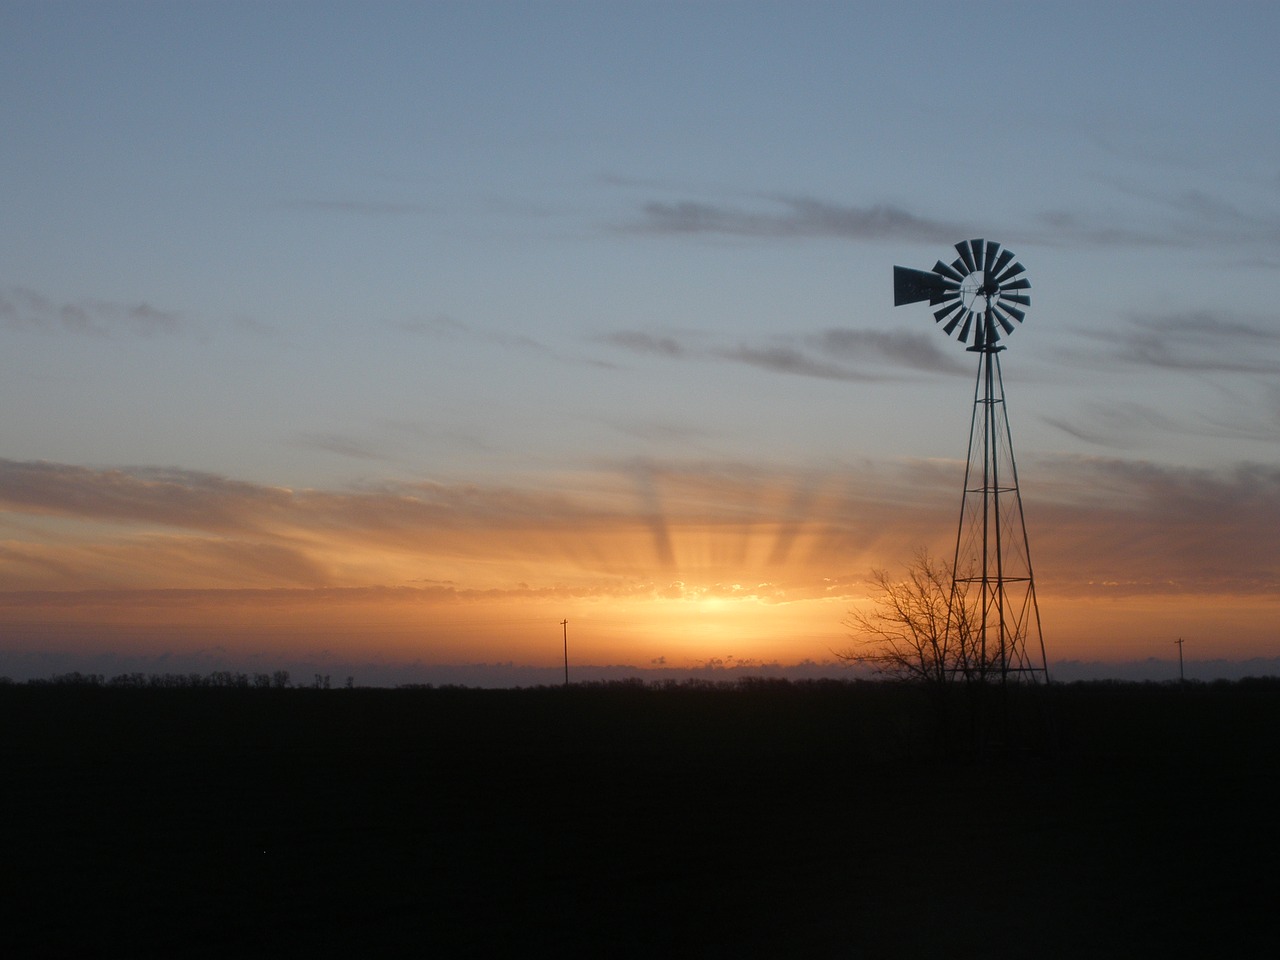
(918, 629)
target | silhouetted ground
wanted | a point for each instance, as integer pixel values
(769, 819)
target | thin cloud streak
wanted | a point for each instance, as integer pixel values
(343, 446)
(1198, 216)
(1192, 217)
(806, 356)
(364, 208)
(1198, 342)
(172, 498)
(639, 342)
(789, 360)
(791, 217)
(1205, 344)
(24, 309)
(1115, 425)
(911, 350)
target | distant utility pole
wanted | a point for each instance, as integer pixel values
(1182, 678)
(564, 625)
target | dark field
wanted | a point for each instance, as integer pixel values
(767, 819)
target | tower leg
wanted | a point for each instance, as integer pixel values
(993, 596)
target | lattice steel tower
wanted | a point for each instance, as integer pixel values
(993, 593)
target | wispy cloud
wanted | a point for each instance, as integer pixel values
(171, 498)
(640, 342)
(1115, 424)
(343, 446)
(439, 326)
(1189, 219)
(24, 309)
(1197, 342)
(790, 360)
(1190, 341)
(1230, 360)
(1197, 215)
(363, 208)
(1067, 228)
(1147, 217)
(834, 354)
(784, 355)
(787, 216)
(449, 329)
(910, 350)
(1166, 219)
(664, 432)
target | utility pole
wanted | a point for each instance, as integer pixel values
(564, 625)
(1182, 678)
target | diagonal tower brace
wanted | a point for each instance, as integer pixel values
(993, 594)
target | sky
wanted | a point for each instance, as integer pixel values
(382, 338)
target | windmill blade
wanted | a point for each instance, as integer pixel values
(992, 249)
(1015, 298)
(947, 290)
(979, 248)
(912, 286)
(1001, 262)
(1002, 320)
(948, 271)
(1012, 272)
(947, 307)
(1014, 312)
(1023, 284)
(964, 331)
(955, 312)
(966, 255)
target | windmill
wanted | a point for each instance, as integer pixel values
(980, 297)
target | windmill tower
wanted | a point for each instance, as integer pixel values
(979, 296)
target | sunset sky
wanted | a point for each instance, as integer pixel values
(381, 338)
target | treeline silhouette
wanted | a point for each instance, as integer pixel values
(762, 817)
(277, 680)
(283, 679)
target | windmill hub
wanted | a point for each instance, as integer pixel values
(975, 291)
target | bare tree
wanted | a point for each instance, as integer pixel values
(925, 630)
(914, 631)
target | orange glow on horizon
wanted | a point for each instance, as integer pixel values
(700, 569)
(671, 631)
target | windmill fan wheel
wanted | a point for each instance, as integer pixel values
(982, 291)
